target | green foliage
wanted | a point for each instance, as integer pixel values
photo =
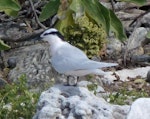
(69, 12)
(86, 35)
(116, 26)
(92, 87)
(86, 23)
(104, 17)
(16, 101)
(123, 95)
(10, 7)
(3, 46)
(49, 9)
(97, 12)
(139, 2)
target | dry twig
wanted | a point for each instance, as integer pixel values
(36, 17)
(112, 4)
(138, 17)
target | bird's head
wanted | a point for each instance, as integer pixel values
(51, 34)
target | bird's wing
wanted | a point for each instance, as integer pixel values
(70, 58)
(90, 64)
(67, 58)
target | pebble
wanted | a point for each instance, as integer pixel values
(12, 62)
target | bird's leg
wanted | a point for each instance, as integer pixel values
(76, 80)
(72, 80)
(67, 83)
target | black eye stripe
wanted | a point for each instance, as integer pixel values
(46, 34)
(55, 33)
(50, 33)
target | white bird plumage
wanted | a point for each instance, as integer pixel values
(69, 60)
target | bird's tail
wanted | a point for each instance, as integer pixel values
(98, 72)
(97, 65)
(104, 64)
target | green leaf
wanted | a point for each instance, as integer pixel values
(139, 2)
(67, 21)
(11, 12)
(10, 7)
(3, 46)
(9, 4)
(117, 27)
(77, 7)
(49, 9)
(97, 12)
(105, 13)
(148, 35)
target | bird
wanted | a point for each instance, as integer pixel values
(69, 60)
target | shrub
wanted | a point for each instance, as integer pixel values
(16, 101)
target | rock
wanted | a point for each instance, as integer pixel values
(70, 102)
(147, 48)
(139, 81)
(148, 76)
(12, 62)
(91, 86)
(34, 62)
(145, 20)
(11, 32)
(114, 48)
(127, 17)
(135, 43)
(126, 74)
(84, 83)
(137, 38)
(140, 58)
(140, 109)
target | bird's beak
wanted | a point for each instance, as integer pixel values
(41, 36)
(36, 37)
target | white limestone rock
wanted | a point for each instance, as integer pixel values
(140, 109)
(125, 74)
(74, 102)
(137, 38)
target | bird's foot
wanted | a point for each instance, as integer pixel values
(71, 81)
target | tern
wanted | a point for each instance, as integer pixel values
(69, 60)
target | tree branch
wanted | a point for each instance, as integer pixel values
(36, 17)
